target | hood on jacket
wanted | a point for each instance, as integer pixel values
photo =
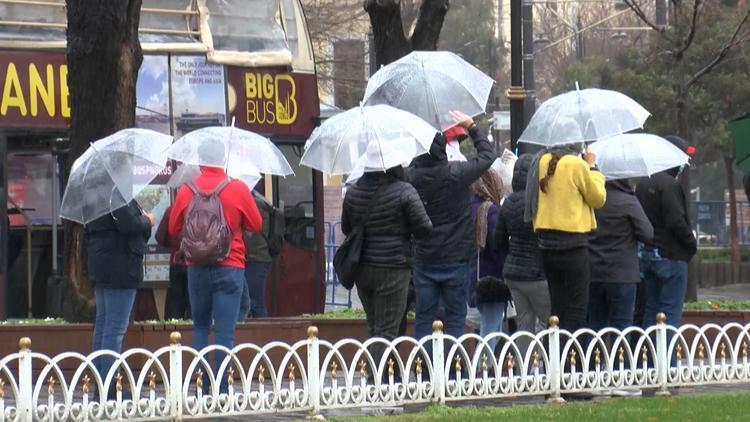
(620, 184)
(520, 171)
(437, 149)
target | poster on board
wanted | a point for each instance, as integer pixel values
(198, 94)
(152, 95)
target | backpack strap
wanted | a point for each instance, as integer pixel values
(217, 190)
(192, 187)
(220, 187)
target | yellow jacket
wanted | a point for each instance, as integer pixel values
(573, 192)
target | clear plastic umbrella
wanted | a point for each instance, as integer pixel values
(583, 116)
(637, 155)
(112, 172)
(430, 84)
(239, 151)
(188, 172)
(339, 143)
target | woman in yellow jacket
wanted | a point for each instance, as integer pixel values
(562, 191)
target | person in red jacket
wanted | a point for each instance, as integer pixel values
(215, 290)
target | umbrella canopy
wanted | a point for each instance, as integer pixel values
(740, 130)
(341, 141)
(430, 84)
(188, 172)
(637, 155)
(112, 172)
(239, 151)
(583, 116)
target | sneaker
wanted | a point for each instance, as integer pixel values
(627, 392)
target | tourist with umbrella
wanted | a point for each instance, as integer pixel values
(664, 259)
(564, 186)
(100, 194)
(391, 213)
(212, 213)
(380, 209)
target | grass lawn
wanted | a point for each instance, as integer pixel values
(698, 408)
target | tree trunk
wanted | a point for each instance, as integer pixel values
(388, 29)
(734, 234)
(104, 56)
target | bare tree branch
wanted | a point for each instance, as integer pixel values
(638, 10)
(693, 30)
(733, 43)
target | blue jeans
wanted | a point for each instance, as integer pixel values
(611, 305)
(665, 282)
(491, 321)
(253, 303)
(433, 282)
(215, 293)
(113, 307)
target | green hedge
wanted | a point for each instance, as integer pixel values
(722, 255)
(718, 305)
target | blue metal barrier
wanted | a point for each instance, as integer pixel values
(331, 279)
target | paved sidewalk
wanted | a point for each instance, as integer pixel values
(730, 291)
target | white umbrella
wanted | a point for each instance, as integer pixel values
(430, 84)
(636, 155)
(112, 172)
(583, 116)
(339, 143)
(238, 151)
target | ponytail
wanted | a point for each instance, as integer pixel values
(550, 172)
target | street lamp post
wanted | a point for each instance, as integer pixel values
(529, 105)
(516, 92)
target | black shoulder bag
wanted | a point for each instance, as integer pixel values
(346, 260)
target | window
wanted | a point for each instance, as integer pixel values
(32, 22)
(169, 21)
(245, 25)
(233, 32)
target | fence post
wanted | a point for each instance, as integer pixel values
(175, 375)
(25, 379)
(313, 370)
(555, 368)
(662, 355)
(438, 361)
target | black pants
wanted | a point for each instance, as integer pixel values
(568, 276)
(177, 304)
(383, 294)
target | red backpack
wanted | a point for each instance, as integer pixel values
(206, 238)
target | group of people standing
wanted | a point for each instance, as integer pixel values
(565, 242)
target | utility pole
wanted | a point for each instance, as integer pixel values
(529, 105)
(516, 92)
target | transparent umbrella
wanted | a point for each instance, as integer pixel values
(188, 172)
(112, 172)
(583, 116)
(430, 84)
(239, 151)
(636, 155)
(339, 143)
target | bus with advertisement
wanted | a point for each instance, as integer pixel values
(206, 63)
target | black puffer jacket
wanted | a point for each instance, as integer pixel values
(664, 202)
(445, 189)
(116, 244)
(396, 216)
(524, 260)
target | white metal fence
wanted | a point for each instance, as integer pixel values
(314, 375)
